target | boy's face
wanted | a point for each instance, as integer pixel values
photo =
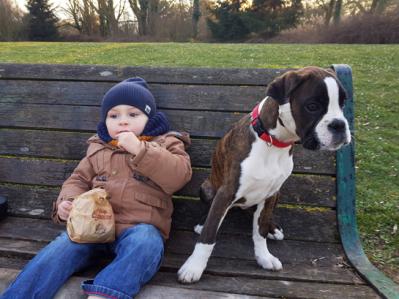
(125, 118)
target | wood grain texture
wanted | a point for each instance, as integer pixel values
(298, 189)
(41, 143)
(185, 75)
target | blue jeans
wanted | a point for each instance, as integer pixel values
(138, 253)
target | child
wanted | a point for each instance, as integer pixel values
(140, 163)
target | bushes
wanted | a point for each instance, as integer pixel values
(364, 29)
(236, 19)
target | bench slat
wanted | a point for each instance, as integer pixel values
(72, 289)
(167, 96)
(25, 250)
(299, 223)
(85, 118)
(308, 189)
(304, 224)
(164, 285)
(182, 242)
(274, 288)
(150, 74)
(41, 144)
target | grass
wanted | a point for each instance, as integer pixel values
(376, 84)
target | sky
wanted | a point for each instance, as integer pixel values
(55, 3)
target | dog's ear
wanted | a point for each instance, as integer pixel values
(331, 71)
(269, 114)
(281, 88)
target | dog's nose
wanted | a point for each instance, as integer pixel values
(337, 126)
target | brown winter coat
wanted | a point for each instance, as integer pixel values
(140, 187)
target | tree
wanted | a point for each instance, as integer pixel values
(226, 21)
(378, 6)
(83, 15)
(333, 12)
(146, 12)
(234, 20)
(41, 21)
(196, 16)
(337, 12)
(11, 21)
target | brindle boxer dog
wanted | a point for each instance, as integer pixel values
(252, 161)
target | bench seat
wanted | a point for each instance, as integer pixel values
(47, 112)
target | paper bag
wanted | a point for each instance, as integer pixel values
(91, 219)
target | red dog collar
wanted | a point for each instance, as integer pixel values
(262, 133)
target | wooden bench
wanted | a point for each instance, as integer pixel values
(47, 112)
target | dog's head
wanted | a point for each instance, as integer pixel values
(309, 104)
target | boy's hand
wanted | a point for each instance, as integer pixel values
(64, 208)
(129, 142)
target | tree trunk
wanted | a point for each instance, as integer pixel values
(152, 16)
(378, 6)
(88, 18)
(196, 17)
(337, 12)
(329, 12)
(140, 9)
(111, 19)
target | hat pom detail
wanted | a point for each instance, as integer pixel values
(137, 80)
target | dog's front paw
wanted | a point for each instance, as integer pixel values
(191, 271)
(269, 262)
(276, 234)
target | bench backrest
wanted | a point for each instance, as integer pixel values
(47, 112)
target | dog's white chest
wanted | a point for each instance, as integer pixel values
(263, 172)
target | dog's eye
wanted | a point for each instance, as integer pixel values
(312, 107)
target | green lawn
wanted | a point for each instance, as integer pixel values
(376, 82)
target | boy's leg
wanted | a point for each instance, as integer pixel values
(49, 269)
(139, 252)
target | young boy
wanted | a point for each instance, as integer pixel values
(140, 163)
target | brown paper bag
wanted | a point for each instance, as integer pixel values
(91, 219)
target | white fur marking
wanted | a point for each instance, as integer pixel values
(195, 265)
(264, 258)
(261, 104)
(263, 172)
(288, 132)
(277, 235)
(334, 111)
(198, 228)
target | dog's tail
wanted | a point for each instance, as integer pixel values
(207, 192)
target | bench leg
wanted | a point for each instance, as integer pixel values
(192, 269)
(261, 226)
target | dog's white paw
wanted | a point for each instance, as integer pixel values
(192, 270)
(277, 234)
(198, 228)
(269, 262)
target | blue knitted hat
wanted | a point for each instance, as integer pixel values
(133, 92)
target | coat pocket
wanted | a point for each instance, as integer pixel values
(151, 200)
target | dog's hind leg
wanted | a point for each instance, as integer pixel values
(207, 193)
(275, 231)
(261, 226)
(192, 269)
